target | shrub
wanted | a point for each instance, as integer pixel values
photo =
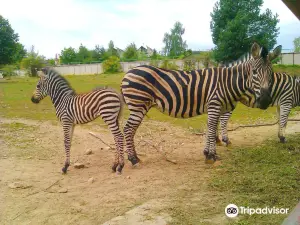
(154, 63)
(166, 64)
(112, 65)
(8, 70)
(189, 65)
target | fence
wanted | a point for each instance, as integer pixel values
(84, 69)
(291, 58)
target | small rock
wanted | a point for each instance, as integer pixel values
(78, 165)
(163, 129)
(91, 180)
(128, 177)
(107, 148)
(101, 148)
(16, 185)
(63, 190)
(88, 152)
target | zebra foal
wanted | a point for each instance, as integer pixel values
(72, 108)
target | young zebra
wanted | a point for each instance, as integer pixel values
(72, 108)
(188, 94)
(285, 94)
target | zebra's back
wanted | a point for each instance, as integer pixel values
(174, 92)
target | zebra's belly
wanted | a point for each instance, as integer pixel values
(179, 114)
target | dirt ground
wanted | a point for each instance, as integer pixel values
(34, 191)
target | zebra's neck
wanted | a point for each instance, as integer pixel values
(59, 89)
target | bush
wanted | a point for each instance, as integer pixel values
(189, 65)
(166, 64)
(8, 70)
(112, 65)
(154, 63)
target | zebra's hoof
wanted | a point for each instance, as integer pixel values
(218, 141)
(114, 168)
(282, 140)
(134, 160)
(64, 170)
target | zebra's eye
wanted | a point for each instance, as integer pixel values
(254, 72)
(38, 86)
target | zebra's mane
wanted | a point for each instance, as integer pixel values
(246, 57)
(51, 73)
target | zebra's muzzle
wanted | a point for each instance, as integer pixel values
(265, 99)
(34, 100)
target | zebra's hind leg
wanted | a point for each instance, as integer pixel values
(132, 124)
(224, 118)
(68, 129)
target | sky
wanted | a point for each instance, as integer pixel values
(52, 25)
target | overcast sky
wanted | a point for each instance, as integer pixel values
(53, 25)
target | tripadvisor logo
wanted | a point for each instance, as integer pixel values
(232, 210)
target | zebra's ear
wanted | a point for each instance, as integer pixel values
(255, 50)
(276, 52)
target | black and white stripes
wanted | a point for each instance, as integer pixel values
(285, 94)
(72, 108)
(185, 94)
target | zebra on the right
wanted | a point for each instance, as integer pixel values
(285, 94)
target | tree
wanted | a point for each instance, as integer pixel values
(235, 25)
(297, 44)
(111, 51)
(11, 50)
(68, 55)
(112, 65)
(131, 52)
(83, 55)
(99, 53)
(174, 44)
(154, 55)
(32, 61)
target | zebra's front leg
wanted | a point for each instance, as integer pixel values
(224, 118)
(283, 112)
(68, 129)
(212, 125)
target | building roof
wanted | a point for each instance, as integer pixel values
(294, 6)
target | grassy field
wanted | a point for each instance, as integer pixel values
(15, 101)
(263, 176)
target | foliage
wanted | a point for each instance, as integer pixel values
(83, 55)
(154, 62)
(166, 64)
(99, 53)
(8, 70)
(112, 65)
(131, 52)
(236, 24)
(51, 62)
(189, 64)
(111, 51)
(174, 44)
(68, 55)
(154, 55)
(297, 44)
(11, 51)
(32, 61)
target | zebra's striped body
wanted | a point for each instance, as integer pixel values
(285, 94)
(72, 109)
(187, 94)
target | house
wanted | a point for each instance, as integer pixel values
(147, 50)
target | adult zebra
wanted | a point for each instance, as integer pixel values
(72, 108)
(285, 94)
(188, 94)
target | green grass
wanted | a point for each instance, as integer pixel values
(290, 69)
(15, 102)
(265, 175)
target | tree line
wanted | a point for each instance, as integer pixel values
(234, 26)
